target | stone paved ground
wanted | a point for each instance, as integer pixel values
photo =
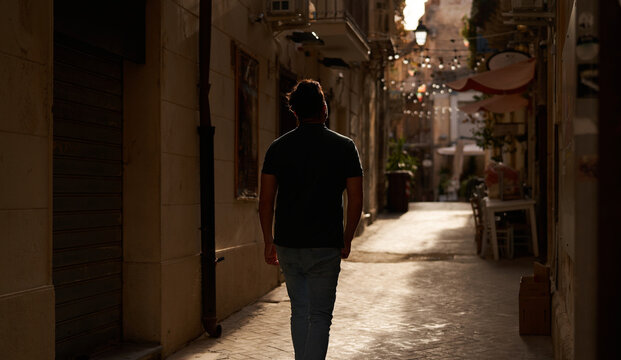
(412, 289)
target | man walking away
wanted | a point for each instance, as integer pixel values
(309, 168)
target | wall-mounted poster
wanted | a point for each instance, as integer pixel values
(246, 125)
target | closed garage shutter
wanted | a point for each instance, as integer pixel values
(87, 188)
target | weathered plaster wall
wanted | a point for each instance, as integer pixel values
(26, 292)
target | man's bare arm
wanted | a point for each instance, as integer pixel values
(269, 185)
(354, 210)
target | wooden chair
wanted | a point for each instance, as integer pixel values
(504, 235)
(478, 221)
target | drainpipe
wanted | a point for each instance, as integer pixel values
(206, 137)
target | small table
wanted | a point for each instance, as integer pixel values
(494, 205)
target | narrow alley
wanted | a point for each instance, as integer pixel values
(142, 168)
(413, 288)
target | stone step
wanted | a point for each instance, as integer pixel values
(131, 351)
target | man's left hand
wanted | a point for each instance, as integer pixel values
(346, 250)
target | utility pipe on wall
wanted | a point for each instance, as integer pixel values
(206, 139)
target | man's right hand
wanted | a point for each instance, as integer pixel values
(271, 257)
(269, 185)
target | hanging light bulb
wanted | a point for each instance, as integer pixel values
(390, 57)
(396, 56)
(406, 61)
(427, 59)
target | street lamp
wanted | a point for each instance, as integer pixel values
(421, 33)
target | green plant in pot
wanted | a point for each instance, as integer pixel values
(486, 138)
(444, 181)
(399, 159)
(400, 170)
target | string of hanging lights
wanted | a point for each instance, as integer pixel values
(427, 61)
(420, 34)
(416, 93)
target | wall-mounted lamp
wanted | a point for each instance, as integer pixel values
(421, 33)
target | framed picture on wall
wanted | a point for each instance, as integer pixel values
(246, 125)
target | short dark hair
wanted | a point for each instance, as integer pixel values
(306, 99)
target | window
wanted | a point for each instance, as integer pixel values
(246, 125)
(280, 5)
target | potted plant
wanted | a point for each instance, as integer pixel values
(488, 136)
(444, 183)
(400, 169)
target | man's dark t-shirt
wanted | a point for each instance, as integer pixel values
(311, 164)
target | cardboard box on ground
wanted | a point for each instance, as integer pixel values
(534, 302)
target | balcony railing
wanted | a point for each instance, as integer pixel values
(350, 10)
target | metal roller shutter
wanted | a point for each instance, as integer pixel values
(87, 190)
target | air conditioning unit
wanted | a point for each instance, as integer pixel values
(287, 14)
(279, 9)
(526, 5)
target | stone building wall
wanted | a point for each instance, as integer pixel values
(161, 295)
(573, 211)
(26, 291)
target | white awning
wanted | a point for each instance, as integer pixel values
(511, 79)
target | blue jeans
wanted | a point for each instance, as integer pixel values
(311, 275)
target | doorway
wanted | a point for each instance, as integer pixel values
(88, 201)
